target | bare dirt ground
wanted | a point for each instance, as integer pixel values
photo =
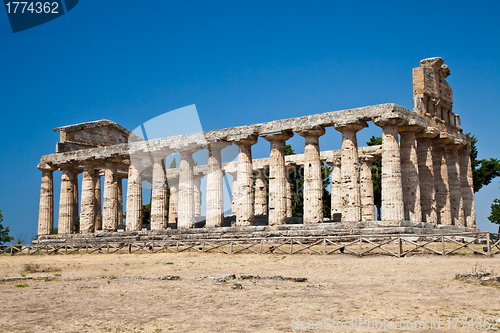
(420, 288)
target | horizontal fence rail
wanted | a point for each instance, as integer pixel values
(482, 243)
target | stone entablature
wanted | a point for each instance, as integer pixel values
(426, 176)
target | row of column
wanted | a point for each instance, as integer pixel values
(424, 178)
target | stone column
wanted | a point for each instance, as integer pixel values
(260, 192)
(110, 206)
(409, 174)
(197, 194)
(133, 218)
(159, 194)
(456, 202)
(441, 181)
(467, 186)
(313, 182)
(186, 190)
(289, 212)
(215, 194)
(245, 210)
(277, 177)
(426, 177)
(366, 188)
(97, 201)
(87, 210)
(392, 187)
(172, 208)
(46, 209)
(75, 220)
(120, 201)
(336, 187)
(66, 200)
(351, 201)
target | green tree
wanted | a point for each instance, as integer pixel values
(4, 232)
(483, 170)
(173, 164)
(377, 176)
(495, 213)
(146, 214)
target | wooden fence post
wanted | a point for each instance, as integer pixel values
(488, 242)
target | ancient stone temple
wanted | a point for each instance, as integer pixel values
(426, 172)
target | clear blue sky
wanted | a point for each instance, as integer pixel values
(240, 62)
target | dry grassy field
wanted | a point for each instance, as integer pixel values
(340, 287)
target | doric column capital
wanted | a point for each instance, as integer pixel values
(67, 166)
(405, 128)
(429, 132)
(442, 139)
(315, 131)
(367, 158)
(454, 146)
(354, 126)
(334, 161)
(198, 175)
(217, 145)
(244, 140)
(89, 165)
(277, 136)
(384, 122)
(45, 167)
(187, 150)
(159, 155)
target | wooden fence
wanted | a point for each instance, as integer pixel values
(481, 243)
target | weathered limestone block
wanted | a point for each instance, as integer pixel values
(392, 187)
(277, 177)
(46, 210)
(426, 177)
(185, 208)
(313, 182)
(260, 192)
(409, 174)
(97, 201)
(456, 201)
(441, 181)
(351, 198)
(467, 186)
(432, 95)
(245, 210)
(366, 188)
(87, 210)
(66, 200)
(215, 194)
(174, 199)
(336, 187)
(159, 194)
(110, 206)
